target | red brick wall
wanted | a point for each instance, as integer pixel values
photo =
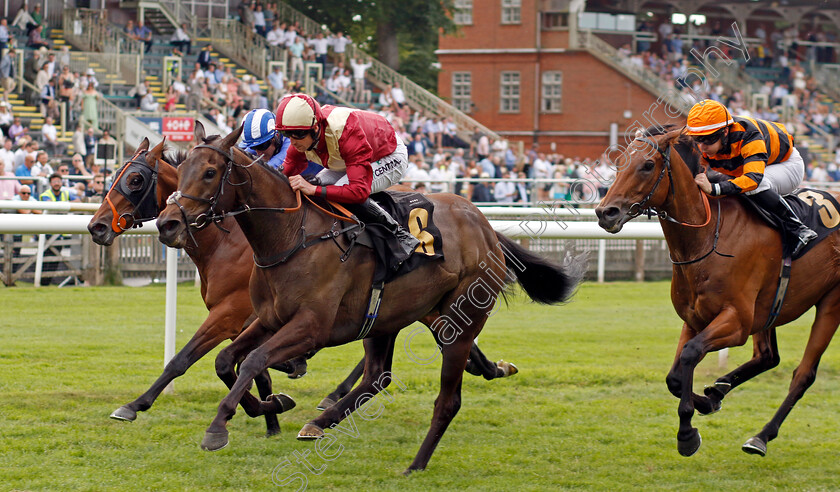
(594, 96)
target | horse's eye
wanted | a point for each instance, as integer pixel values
(648, 165)
(135, 181)
(210, 174)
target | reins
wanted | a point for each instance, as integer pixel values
(639, 208)
(304, 241)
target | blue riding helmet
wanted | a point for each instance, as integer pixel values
(258, 128)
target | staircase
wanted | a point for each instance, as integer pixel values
(380, 75)
(643, 76)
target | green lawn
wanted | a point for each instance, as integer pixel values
(589, 409)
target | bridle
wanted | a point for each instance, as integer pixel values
(641, 207)
(215, 217)
(143, 209)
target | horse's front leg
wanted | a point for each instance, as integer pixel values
(264, 349)
(703, 404)
(223, 322)
(765, 357)
(726, 330)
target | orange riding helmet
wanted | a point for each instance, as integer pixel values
(707, 117)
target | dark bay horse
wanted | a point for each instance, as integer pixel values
(725, 276)
(311, 299)
(224, 263)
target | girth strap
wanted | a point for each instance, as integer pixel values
(781, 290)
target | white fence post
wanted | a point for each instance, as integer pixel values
(171, 303)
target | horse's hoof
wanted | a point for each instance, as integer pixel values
(508, 369)
(277, 403)
(688, 447)
(719, 389)
(214, 441)
(272, 432)
(310, 432)
(715, 408)
(124, 413)
(325, 403)
(754, 445)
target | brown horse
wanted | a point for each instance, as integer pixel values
(224, 263)
(310, 298)
(726, 272)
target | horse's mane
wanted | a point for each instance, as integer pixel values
(175, 158)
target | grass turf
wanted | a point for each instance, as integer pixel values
(589, 409)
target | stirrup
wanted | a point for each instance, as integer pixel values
(803, 239)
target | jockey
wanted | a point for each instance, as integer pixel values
(360, 151)
(259, 137)
(758, 154)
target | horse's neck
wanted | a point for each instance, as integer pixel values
(167, 182)
(268, 232)
(685, 203)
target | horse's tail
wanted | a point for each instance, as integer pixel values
(544, 281)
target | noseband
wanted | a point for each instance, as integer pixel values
(211, 215)
(641, 207)
(205, 218)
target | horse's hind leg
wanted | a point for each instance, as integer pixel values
(448, 401)
(479, 365)
(263, 382)
(379, 353)
(765, 357)
(344, 387)
(823, 329)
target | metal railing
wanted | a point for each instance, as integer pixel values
(735, 78)
(381, 74)
(89, 30)
(828, 79)
(247, 49)
(178, 11)
(643, 76)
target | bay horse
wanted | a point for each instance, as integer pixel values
(224, 262)
(725, 276)
(311, 297)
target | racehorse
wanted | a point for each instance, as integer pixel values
(725, 276)
(311, 297)
(224, 263)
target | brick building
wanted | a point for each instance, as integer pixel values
(530, 72)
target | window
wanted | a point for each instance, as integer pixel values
(509, 92)
(462, 91)
(552, 91)
(511, 11)
(463, 12)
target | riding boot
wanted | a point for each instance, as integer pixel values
(371, 212)
(773, 202)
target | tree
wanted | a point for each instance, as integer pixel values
(402, 33)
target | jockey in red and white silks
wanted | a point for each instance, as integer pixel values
(360, 151)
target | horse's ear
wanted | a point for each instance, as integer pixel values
(231, 139)
(199, 132)
(157, 151)
(144, 145)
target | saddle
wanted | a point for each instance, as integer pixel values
(817, 209)
(416, 214)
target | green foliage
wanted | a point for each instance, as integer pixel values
(588, 410)
(416, 23)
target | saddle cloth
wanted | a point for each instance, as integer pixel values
(416, 214)
(817, 209)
